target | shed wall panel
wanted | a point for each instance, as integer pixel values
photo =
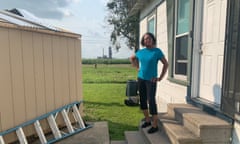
(48, 70)
(6, 102)
(40, 72)
(29, 75)
(16, 62)
(65, 70)
(78, 69)
(57, 71)
(72, 69)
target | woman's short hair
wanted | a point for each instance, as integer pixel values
(152, 37)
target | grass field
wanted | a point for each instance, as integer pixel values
(118, 73)
(104, 91)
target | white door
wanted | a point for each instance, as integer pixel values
(213, 35)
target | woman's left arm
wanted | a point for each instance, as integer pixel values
(164, 69)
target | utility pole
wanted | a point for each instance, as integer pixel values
(103, 53)
(110, 52)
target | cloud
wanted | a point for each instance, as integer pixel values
(55, 9)
(104, 1)
(64, 3)
(51, 9)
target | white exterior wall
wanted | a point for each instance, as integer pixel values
(143, 29)
(167, 92)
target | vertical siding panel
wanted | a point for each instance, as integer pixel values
(6, 102)
(28, 69)
(57, 71)
(78, 70)
(29, 79)
(39, 73)
(65, 80)
(17, 76)
(48, 67)
(72, 70)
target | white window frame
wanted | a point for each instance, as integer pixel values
(178, 76)
(152, 17)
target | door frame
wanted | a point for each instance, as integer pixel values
(230, 92)
(196, 52)
(194, 89)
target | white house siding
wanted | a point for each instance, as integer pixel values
(167, 92)
(143, 28)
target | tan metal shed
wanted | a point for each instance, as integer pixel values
(40, 70)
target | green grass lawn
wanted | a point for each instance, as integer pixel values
(118, 73)
(104, 91)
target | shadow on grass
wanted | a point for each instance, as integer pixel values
(102, 82)
(104, 104)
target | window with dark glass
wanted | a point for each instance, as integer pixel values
(181, 55)
(181, 39)
(151, 25)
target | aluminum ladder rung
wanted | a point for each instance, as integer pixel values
(78, 116)
(54, 127)
(40, 133)
(67, 121)
(1, 140)
(21, 136)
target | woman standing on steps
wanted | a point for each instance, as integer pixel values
(146, 61)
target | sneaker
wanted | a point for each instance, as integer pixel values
(146, 124)
(153, 130)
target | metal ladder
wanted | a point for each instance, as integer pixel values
(51, 119)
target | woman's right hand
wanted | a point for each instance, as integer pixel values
(134, 61)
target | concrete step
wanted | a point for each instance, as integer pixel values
(177, 111)
(176, 132)
(180, 135)
(119, 142)
(209, 128)
(158, 137)
(183, 124)
(98, 134)
(133, 137)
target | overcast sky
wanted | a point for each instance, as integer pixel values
(86, 17)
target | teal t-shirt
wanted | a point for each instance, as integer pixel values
(148, 62)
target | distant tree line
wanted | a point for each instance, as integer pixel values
(105, 61)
